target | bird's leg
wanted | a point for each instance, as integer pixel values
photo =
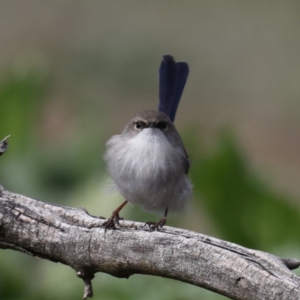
(158, 225)
(114, 219)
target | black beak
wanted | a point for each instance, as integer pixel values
(151, 125)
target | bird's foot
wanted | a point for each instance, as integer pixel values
(112, 221)
(157, 225)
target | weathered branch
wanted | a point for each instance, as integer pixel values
(74, 238)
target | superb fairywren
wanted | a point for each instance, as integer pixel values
(147, 161)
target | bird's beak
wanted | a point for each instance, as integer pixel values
(152, 125)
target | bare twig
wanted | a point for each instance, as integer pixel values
(4, 145)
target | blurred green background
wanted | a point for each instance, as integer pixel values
(72, 73)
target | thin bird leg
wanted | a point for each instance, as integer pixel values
(114, 219)
(158, 225)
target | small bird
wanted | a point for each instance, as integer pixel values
(147, 161)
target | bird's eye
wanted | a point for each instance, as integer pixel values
(162, 126)
(139, 125)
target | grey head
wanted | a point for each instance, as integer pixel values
(160, 121)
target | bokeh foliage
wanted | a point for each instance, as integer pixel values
(20, 97)
(244, 208)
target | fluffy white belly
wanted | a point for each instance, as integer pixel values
(148, 171)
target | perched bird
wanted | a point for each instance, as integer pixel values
(147, 161)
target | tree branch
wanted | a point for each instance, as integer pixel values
(4, 145)
(74, 238)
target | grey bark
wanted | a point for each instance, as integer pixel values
(74, 238)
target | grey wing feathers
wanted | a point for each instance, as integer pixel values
(187, 162)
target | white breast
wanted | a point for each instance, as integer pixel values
(149, 171)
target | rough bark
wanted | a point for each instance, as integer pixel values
(74, 238)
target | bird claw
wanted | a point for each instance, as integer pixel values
(109, 224)
(112, 222)
(156, 225)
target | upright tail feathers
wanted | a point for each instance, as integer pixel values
(172, 79)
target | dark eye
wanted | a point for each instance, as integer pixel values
(162, 126)
(139, 125)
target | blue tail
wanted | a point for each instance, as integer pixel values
(172, 79)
